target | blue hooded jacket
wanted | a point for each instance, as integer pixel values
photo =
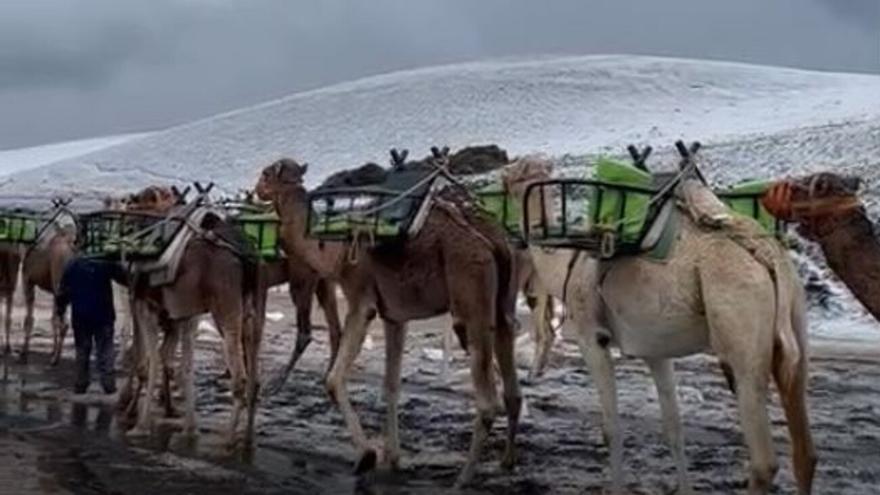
(87, 286)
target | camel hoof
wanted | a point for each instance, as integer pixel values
(366, 463)
(274, 387)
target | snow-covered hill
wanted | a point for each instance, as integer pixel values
(17, 160)
(580, 105)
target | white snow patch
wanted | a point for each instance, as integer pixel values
(274, 316)
(17, 160)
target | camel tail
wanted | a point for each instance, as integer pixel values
(790, 360)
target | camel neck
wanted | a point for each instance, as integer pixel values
(852, 250)
(289, 204)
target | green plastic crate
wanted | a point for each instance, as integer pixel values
(504, 208)
(262, 229)
(624, 211)
(17, 227)
(745, 199)
(110, 234)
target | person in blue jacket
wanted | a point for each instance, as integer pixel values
(86, 285)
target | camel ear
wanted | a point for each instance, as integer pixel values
(403, 155)
(303, 169)
(277, 169)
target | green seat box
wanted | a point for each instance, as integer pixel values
(745, 199)
(502, 206)
(18, 228)
(610, 206)
(262, 230)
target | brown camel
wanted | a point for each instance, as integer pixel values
(217, 275)
(459, 262)
(827, 209)
(303, 283)
(42, 267)
(733, 292)
(10, 263)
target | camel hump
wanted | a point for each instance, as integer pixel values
(474, 160)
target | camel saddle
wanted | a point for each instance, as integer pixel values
(627, 211)
(163, 270)
(383, 206)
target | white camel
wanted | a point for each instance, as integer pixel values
(716, 293)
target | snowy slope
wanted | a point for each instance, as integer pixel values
(557, 105)
(17, 160)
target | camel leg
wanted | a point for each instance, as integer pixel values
(29, 296)
(505, 357)
(480, 346)
(150, 355)
(541, 307)
(128, 397)
(752, 401)
(744, 340)
(7, 349)
(792, 392)
(253, 339)
(601, 366)
(326, 293)
(188, 336)
(356, 321)
(59, 333)
(168, 351)
(395, 337)
(664, 379)
(230, 325)
(301, 296)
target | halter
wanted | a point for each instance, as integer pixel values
(778, 201)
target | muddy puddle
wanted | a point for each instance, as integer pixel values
(50, 443)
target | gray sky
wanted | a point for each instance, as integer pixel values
(79, 68)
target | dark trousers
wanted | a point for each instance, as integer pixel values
(100, 337)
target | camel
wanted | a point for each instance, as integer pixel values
(741, 301)
(42, 267)
(828, 211)
(10, 263)
(459, 263)
(303, 282)
(218, 276)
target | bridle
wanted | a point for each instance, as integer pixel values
(778, 201)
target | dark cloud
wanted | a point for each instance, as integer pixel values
(862, 13)
(74, 68)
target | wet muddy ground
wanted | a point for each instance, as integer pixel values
(50, 443)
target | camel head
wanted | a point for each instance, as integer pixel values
(815, 201)
(517, 176)
(524, 171)
(279, 175)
